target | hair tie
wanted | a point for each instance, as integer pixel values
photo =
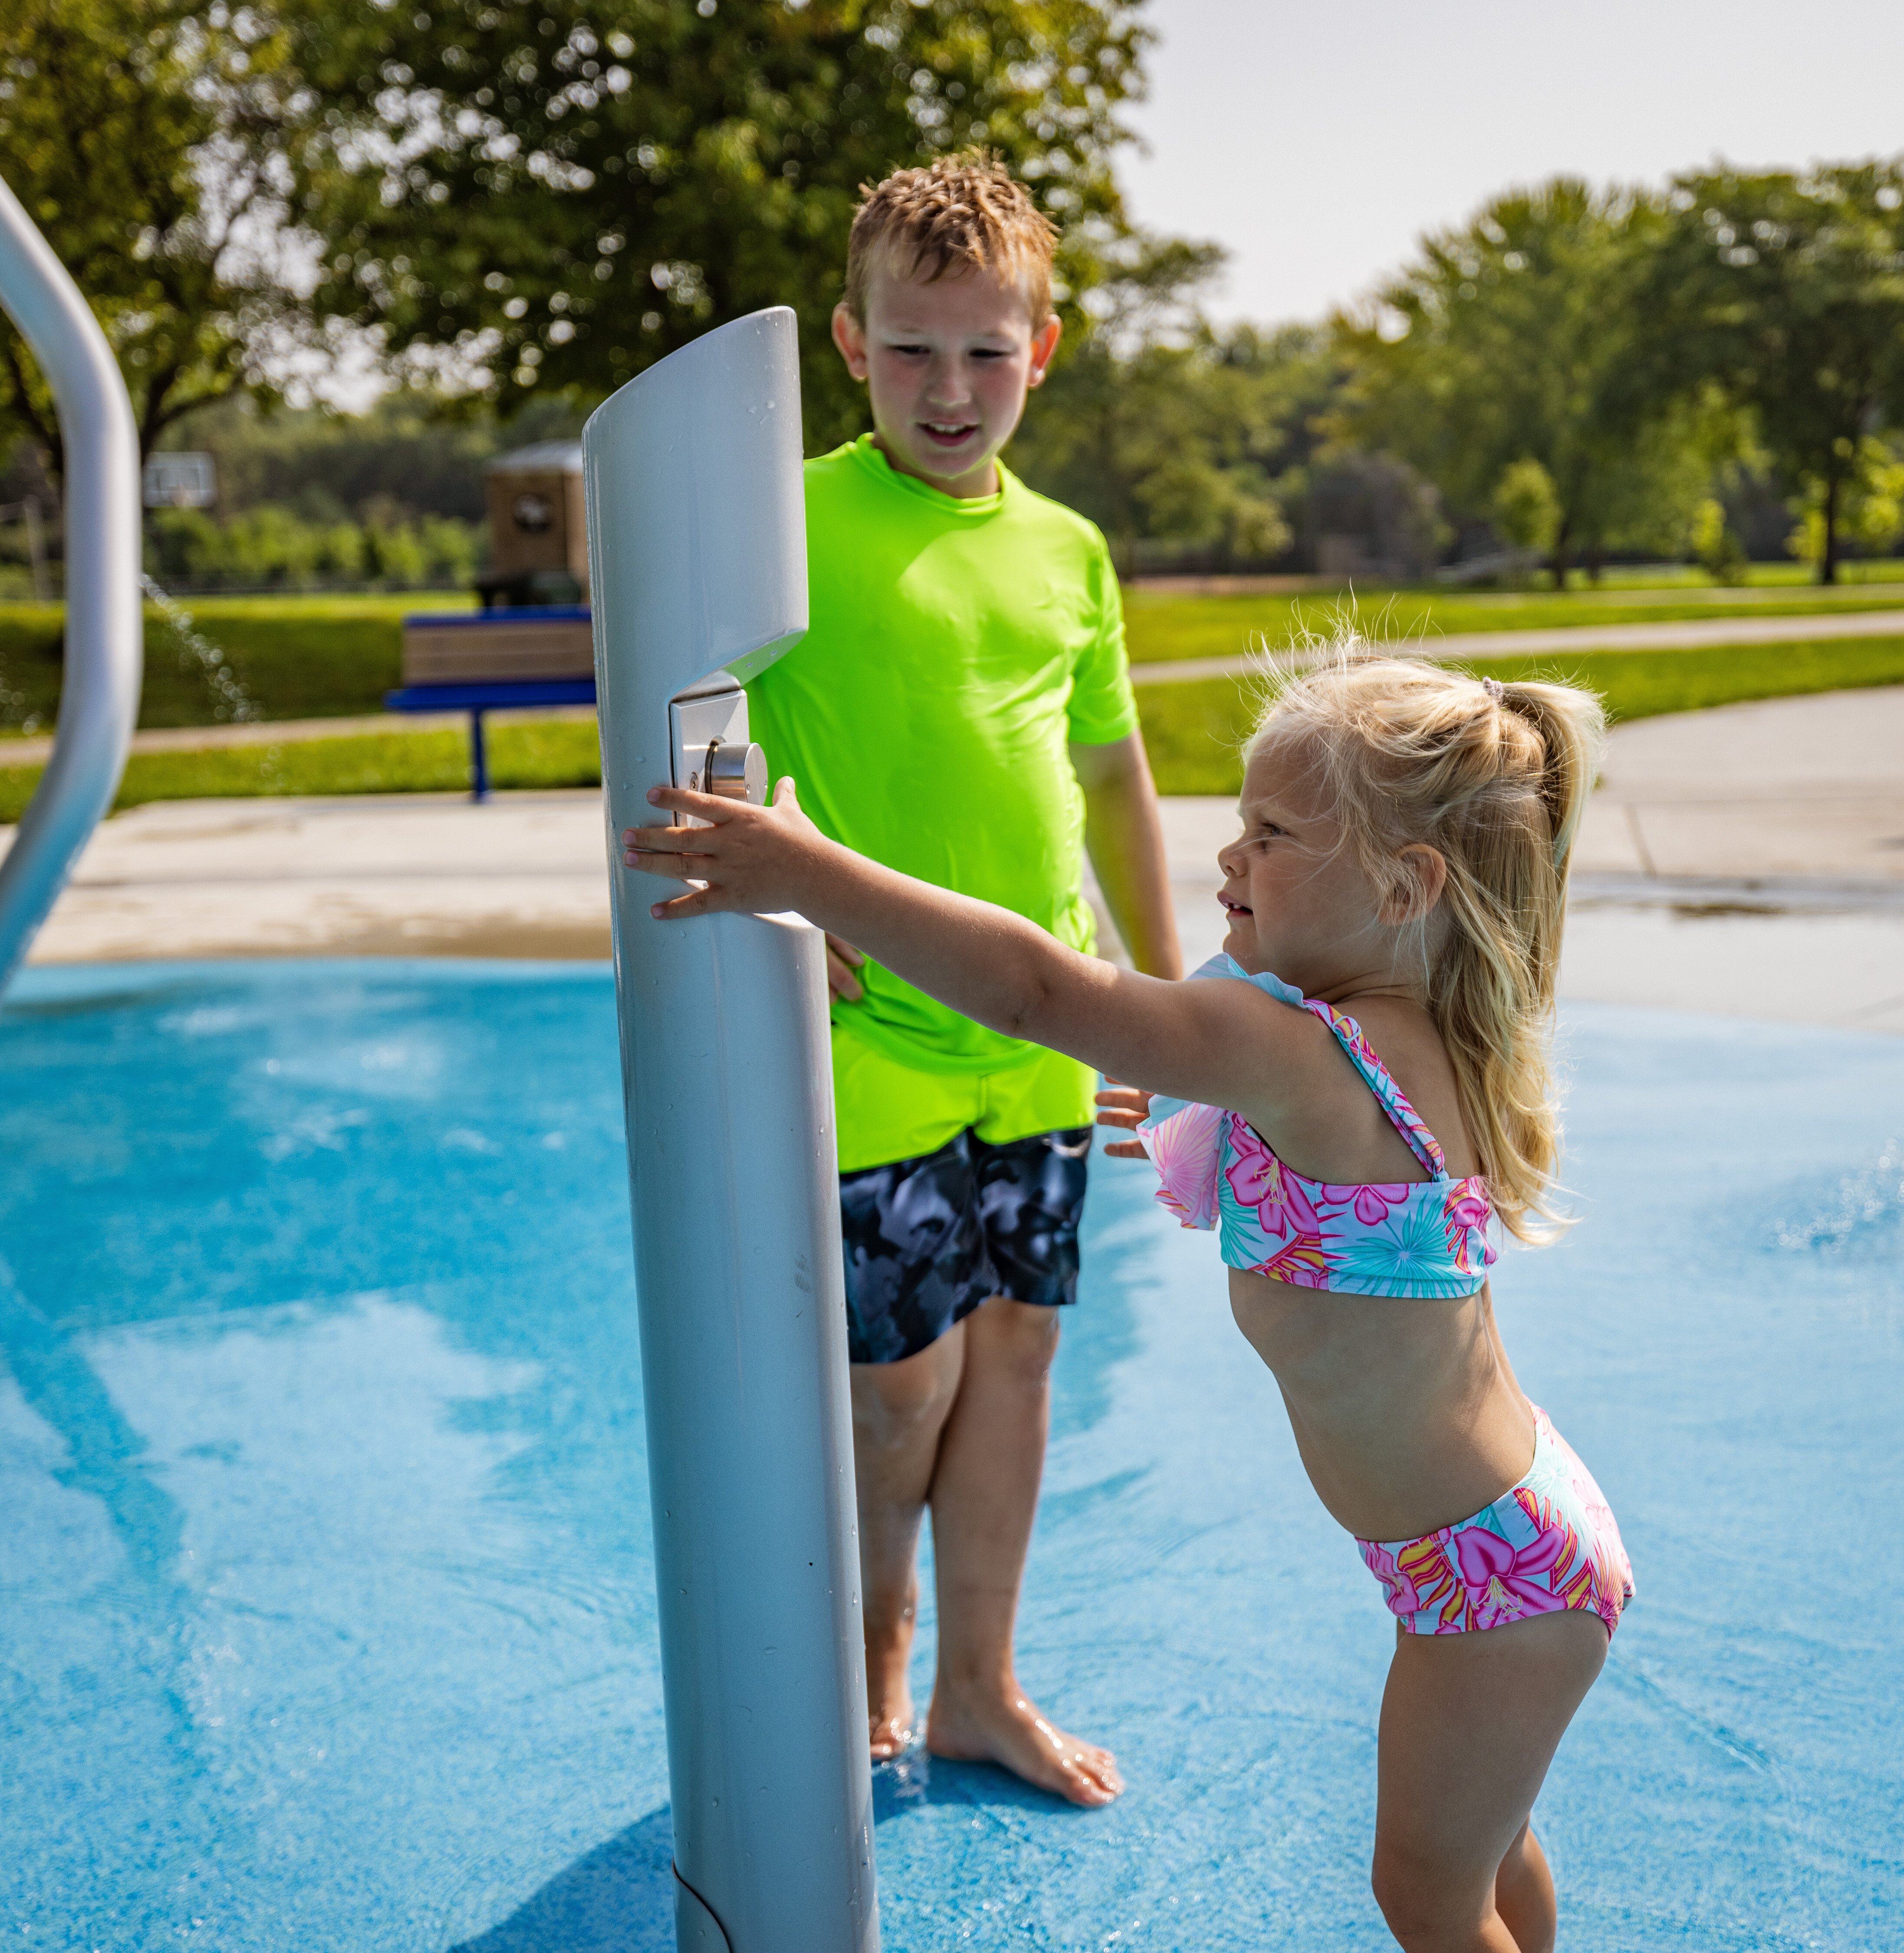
(1494, 689)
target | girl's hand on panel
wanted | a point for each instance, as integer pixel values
(1125, 1106)
(753, 859)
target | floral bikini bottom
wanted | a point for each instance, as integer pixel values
(1549, 1543)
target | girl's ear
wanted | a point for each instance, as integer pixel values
(1421, 875)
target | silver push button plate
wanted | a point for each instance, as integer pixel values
(712, 753)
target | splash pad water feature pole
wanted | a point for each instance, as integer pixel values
(104, 641)
(697, 538)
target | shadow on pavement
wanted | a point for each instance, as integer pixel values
(619, 1898)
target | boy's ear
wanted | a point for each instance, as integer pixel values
(1044, 343)
(849, 335)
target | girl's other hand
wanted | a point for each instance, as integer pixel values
(1125, 1106)
(843, 959)
(747, 858)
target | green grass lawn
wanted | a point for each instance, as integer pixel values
(549, 754)
(1758, 575)
(1195, 732)
(290, 657)
(327, 657)
(318, 657)
(1161, 627)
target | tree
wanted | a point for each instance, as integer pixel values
(1505, 344)
(559, 194)
(1786, 293)
(1867, 509)
(1159, 427)
(147, 139)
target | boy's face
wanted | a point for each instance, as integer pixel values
(948, 365)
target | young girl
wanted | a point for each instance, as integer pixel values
(1359, 1084)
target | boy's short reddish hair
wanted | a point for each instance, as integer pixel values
(960, 213)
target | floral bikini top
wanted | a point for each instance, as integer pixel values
(1408, 1238)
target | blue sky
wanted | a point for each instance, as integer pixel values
(1317, 142)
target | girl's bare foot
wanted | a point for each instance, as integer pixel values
(1004, 1727)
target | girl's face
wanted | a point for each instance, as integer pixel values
(1298, 904)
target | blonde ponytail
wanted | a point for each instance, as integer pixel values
(1495, 778)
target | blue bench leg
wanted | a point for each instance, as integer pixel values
(478, 758)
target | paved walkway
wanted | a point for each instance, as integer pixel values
(1747, 860)
(1777, 790)
(1691, 634)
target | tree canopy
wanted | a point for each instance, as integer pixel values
(1500, 350)
(1785, 292)
(564, 192)
(1153, 425)
(530, 201)
(147, 139)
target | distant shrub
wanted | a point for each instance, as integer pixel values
(271, 547)
(1715, 545)
(1525, 507)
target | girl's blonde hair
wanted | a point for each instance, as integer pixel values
(1495, 778)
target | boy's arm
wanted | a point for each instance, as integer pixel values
(1124, 836)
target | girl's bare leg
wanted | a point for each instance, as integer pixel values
(1524, 1893)
(1469, 1724)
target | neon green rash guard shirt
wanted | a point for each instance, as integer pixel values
(955, 648)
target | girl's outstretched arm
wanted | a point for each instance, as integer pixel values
(1224, 1044)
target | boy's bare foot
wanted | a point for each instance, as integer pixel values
(1006, 1728)
(893, 1732)
(891, 1721)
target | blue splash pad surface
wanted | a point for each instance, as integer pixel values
(326, 1618)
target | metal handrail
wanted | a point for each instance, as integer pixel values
(105, 627)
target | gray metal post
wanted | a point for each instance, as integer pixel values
(104, 629)
(697, 539)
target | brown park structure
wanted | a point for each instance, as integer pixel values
(538, 564)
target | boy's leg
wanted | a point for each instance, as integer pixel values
(984, 1495)
(899, 1413)
(915, 1266)
(985, 1491)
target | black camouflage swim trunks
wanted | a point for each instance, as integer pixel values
(928, 1239)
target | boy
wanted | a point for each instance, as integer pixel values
(960, 710)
